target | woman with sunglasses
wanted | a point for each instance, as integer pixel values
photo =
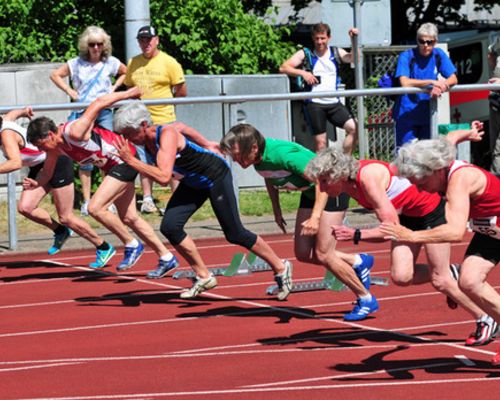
(420, 67)
(91, 74)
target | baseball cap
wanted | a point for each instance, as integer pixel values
(146, 31)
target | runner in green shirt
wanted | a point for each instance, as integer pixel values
(283, 164)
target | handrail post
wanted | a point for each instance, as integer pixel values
(11, 202)
(433, 107)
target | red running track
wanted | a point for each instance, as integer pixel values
(71, 333)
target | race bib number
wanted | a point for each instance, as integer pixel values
(486, 226)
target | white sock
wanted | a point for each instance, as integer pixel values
(357, 261)
(167, 257)
(133, 243)
(367, 297)
(147, 198)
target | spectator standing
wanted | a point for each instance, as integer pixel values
(494, 98)
(91, 74)
(419, 67)
(159, 76)
(324, 77)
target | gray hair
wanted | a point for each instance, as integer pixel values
(427, 29)
(131, 116)
(94, 34)
(334, 163)
(421, 158)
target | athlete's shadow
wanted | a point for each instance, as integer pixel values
(404, 368)
(136, 299)
(283, 315)
(19, 265)
(342, 337)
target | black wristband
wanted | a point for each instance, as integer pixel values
(357, 236)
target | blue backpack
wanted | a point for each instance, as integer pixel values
(298, 84)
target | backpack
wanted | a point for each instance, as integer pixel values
(389, 80)
(298, 84)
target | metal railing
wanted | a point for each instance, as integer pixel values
(232, 101)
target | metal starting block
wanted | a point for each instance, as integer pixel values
(329, 282)
(241, 264)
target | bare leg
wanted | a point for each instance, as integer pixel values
(107, 193)
(28, 206)
(135, 222)
(320, 142)
(351, 138)
(187, 248)
(404, 270)
(472, 282)
(439, 261)
(63, 200)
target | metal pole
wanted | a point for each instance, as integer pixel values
(358, 71)
(433, 106)
(136, 15)
(233, 120)
(11, 202)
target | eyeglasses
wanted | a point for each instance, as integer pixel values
(426, 42)
(94, 44)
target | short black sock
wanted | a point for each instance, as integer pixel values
(60, 229)
(103, 246)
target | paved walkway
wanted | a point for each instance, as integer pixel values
(264, 225)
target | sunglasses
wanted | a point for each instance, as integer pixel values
(94, 44)
(427, 42)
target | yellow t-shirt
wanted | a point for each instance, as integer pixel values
(156, 77)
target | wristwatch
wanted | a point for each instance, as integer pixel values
(357, 236)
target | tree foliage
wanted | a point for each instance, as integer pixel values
(206, 36)
(219, 39)
(47, 30)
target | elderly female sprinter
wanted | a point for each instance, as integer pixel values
(394, 199)
(471, 193)
(282, 164)
(203, 175)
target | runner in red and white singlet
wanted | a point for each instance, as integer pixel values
(472, 194)
(394, 200)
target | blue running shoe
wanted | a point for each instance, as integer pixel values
(132, 255)
(102, 257)
(163, 268)
(363, 270)
(362, 309)
(59, 240)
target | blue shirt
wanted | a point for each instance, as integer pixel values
(415, 107)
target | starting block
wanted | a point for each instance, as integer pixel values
(329, 282)
(240, 264)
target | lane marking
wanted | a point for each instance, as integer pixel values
(262, 390)
(466, 361)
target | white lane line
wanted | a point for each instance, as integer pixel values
(465, 360)
(181, 354)
(270, 390)
(52, 365)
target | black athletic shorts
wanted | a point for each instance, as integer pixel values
(63, 172)
(434, 218)
(123, 172)
(337, 114)
(484, 246)
(339, 203)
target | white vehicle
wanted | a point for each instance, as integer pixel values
(468, 51)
